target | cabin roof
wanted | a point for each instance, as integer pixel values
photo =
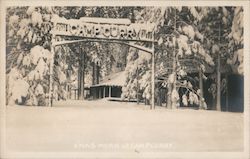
(115, 79)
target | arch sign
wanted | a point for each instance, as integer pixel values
(98, 29)
(103, 28)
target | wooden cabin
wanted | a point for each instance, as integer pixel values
(109, 87)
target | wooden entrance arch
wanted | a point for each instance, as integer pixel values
(80, 29)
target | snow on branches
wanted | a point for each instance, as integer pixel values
(36, 19)
(237, 26)
(13, 20)
(138, 74)
(27, 79)
(182, 40)
(188, 45)
(17, 87)
(236, 41)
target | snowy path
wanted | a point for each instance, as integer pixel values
(100, 126)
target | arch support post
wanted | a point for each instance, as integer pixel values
(51, 70)
(153, 75)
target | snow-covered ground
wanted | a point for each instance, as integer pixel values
(73, 126)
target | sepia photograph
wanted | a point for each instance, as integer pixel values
(115, 80)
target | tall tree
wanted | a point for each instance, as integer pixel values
(217, 23)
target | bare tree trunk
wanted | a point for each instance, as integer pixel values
(174, 102)
(153, 79)
(169, 92)
(93, 74)
(79, 80)
(51, 71)
(147, 101)
(69, 91)
(93, 79)
(82, 75)
(96, 74)
(137, 85)
(218, 97)
(201, 89)
(227, 92)
(159, 97)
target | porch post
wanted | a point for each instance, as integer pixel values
(70, 92)
(67, 90)
(100, 92)
(75, 93)
(94, 93)
(104, 95)
(109, 91)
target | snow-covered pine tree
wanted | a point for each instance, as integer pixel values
(182, 47)
(179, 43)
(138, 68)
(27, 53)
(236, 41)
(217, 27)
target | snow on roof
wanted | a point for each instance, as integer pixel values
(105, 20)
(116, 79)
(98, 20)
